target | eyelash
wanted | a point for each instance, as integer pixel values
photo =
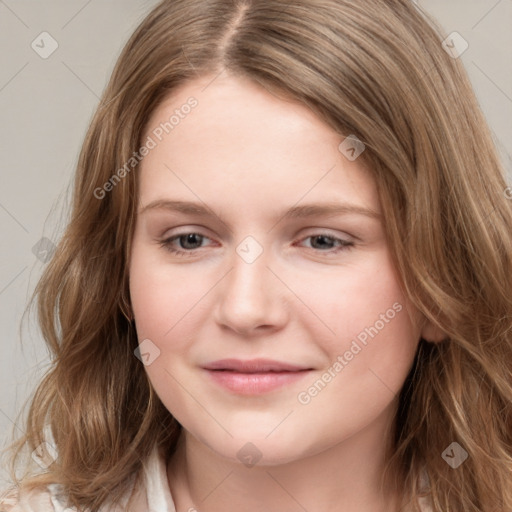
(166, 244)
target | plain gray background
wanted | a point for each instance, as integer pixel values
(46, 105)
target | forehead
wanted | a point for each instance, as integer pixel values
(241, 142)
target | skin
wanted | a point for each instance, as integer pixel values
(249, 156)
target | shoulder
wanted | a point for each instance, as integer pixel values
(41, 500)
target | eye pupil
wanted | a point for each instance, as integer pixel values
(323, 238)
(190, 238)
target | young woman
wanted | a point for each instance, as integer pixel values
(285, 283)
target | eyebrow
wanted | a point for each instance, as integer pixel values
(295, 212)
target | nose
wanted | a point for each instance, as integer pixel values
(251, 300)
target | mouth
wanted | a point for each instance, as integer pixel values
(254, 366)
(256, 376)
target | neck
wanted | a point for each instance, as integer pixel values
(345, 477)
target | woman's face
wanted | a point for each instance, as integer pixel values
(286, 261)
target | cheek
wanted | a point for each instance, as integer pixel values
(360, 301)
(161, 296)
(152, 303)
(374, 344)
(365, 320)
(169, 307)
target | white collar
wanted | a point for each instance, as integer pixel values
(158, 494)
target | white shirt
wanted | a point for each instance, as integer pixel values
(154, 496)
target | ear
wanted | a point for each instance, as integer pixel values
(432, 333)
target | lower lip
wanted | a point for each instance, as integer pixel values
(255, 383)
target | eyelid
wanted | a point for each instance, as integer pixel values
(175, 236)
(317, 231)
(311, 232)
(343, 244)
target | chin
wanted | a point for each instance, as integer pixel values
(253, 448)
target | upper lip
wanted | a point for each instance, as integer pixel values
(254, 366)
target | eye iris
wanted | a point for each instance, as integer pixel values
(190, 238)
(191, 241)
(323, 238)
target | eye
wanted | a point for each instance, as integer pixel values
(186, 240)
(190, 242)
(326, 241)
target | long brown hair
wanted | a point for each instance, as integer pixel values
(374, 69)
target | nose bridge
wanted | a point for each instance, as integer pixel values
(249, 277)
(250, 295)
